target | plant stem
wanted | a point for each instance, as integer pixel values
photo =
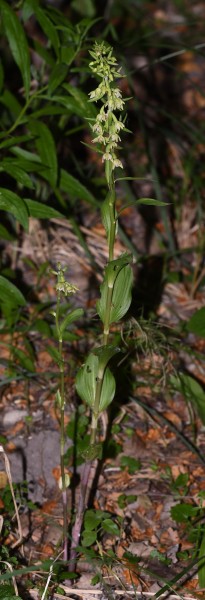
(82, 504)
(62, 429)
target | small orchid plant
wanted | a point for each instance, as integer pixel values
(95, 382)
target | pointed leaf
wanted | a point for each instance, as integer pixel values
(57, 76)
(14, 204)
(15, 171)
(122, 294)
(108, 390)
(86, 381)
(110, 527)
(46, 148)
(88, 538)
(72, 316)
(10, 293)
(81, 99)
(104, 354)
(42, 211)
(151, 202)
(75, 188)
(48, 28)
(121, 297)
(17, 42)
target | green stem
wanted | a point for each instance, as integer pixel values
(111, 241)
(62, 426)
(23, 111)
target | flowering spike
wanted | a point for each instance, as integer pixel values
(107, 125)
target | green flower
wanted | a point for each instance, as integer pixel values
(107, 126)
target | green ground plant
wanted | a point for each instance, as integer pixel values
(43, 95)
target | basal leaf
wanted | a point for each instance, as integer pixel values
(10, 293)
(12, 203)
(74, 188)
(17, 42)
(46, 148)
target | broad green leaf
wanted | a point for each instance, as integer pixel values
(24, 360)
(192, 391)
(92, 452)
(73, 106)
(81, 100)
(46, 148)
(197, 323)
(13, 169)
(5, 234)
(121, 296)
(93, 518)
(10, 293)
(133, 464)
(72, 316)
(42, 327)
(75, 188)
(10, 101)
(201, 566)
(114, 267)
(86, 381)
(48, 28)
(17, 42)
(104, 354)
(68, 54)
(84, 7)
(12, 203)
(110, 527)
(42, 211)
(88, 538)
(57, 75)
(181, 512)
(54, 353)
